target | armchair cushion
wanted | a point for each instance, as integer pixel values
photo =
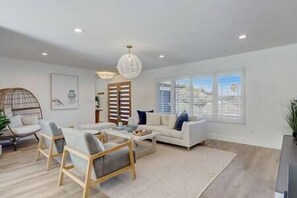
(52, 130)
(113, 161)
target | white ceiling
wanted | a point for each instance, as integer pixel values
(183, 30)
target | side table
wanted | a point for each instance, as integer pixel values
(7, 135)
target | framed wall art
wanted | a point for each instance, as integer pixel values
(64, 92)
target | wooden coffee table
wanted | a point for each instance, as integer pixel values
(140, 149)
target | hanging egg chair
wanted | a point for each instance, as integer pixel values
(23, 110)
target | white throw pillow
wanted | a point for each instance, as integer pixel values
(164, 119)
(153, 119)
(8, 113)
(172, 120)
(193, 118)
(15, 121)
(30, 120)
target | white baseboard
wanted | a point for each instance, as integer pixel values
(278, 195)
(242, 141)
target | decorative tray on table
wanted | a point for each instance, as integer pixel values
(142, 132)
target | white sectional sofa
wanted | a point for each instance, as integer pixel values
(192, 133)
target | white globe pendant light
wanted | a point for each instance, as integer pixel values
(129, 65)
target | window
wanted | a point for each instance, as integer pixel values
(216, 96)
(229, 97)
(164, 97)
(202, 96)
(182, 95)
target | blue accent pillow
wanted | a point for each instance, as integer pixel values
(184, 117)
(142, 116)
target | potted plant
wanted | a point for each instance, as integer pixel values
(291, 117)
(4, 121)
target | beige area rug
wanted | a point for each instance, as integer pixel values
(170, 172)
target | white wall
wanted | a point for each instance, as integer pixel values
(101, 86)
(35, 76)
(270, 82)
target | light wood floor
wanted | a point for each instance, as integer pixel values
(251, 174)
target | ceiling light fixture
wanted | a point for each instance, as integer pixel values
(78, 30)
(242, 36)
(129, 65)
(105, 75)
(44, 54)
(161, 56)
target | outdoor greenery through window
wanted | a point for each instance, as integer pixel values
(216, 96)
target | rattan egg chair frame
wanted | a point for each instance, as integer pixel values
(21, 102)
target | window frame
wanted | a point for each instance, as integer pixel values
(214, 75)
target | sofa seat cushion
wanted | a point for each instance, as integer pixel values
(26, 129)
(164, 131)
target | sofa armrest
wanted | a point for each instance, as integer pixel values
(194, 132)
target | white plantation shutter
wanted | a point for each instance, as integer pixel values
(230, 100)
(164, 97)
(203, 96)
(215, 96)
(119, 102)
(182, 95)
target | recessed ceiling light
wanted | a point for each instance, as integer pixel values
(161, 56)
(242, 36)
(44, 54)
(78, 30)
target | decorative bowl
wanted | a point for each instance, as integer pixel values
(130, 128)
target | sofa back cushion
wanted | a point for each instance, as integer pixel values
(172, 120)
(193, 118)
(153, 119)
(164, 119)
(142, 116)
(184, 117)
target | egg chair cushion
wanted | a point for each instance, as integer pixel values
(23, 130)
(30, 120)
(8, 112)
(15, 121)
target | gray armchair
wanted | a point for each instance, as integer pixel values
(99, 162)
(51, 142)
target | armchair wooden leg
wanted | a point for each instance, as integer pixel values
(87, 179)
(50, 155)
(39, 147)
(132, 162)
(61, 175)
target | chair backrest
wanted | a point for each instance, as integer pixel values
(52, 130)
(85, 143)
